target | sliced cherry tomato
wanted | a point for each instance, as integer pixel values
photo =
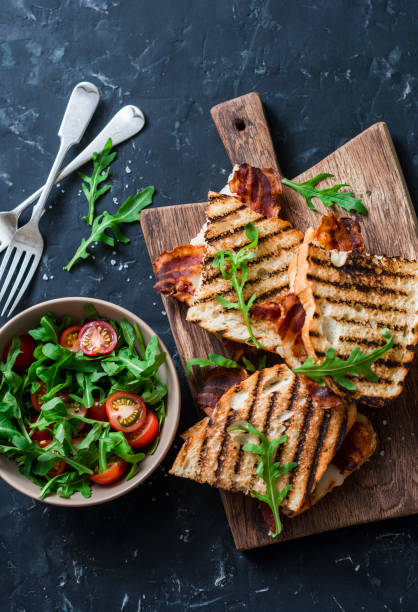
(74, 408)
(126, 411)
(36, 397)
(97, 338)
(59, 467)
(113, 473)
(69, 338)
(97, 411)
(25, 357)
(146, 434)
(40, 436)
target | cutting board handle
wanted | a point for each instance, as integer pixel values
(243, 128)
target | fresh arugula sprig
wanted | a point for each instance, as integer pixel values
(92, 185)
(328, 196)
(128, 212)
(357, 363)
(267, 468)
(234, 268)
(225, 362)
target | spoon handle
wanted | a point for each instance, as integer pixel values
(126, 123)
(80, 109)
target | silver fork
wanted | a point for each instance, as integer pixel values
(127, 122)
(27, 244)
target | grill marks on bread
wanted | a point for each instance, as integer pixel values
(349, 305)
(268, 271)
(275, 401)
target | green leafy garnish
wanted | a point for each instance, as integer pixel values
(236, 271)
(213, 360)
(328, 196)
(92, 185)
(268, 469)
(356, 364)
(128, 213)
(132, 366)
(225, 362)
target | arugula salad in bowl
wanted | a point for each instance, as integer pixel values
(83, 401)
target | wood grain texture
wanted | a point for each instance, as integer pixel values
(387, 486)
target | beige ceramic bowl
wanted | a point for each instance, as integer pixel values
(75, 308)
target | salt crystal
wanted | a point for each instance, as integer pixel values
(45, 277)
(128, 170)
(382, 452)
(113, 262)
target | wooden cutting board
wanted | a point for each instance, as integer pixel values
(387, 486)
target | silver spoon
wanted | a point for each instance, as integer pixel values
(126, 123)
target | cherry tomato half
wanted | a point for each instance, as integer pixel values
(97, 338)
(25, 357)
(69, 338)
(36, 397)
(126, 411)
(113, 473)
(146, 434)
(59, 467)
(97, 411)
(74, 408)
(38, 435)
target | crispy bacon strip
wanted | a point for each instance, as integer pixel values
(326, 398)
(357, 447)
(178, 271)
(290, 323)
(259, 188)
(217, 381)
(339, 233)
(266, 311)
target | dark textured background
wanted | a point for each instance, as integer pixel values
(326, 70)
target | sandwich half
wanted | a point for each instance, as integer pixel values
(344, 298)
(276, 402)
(227, 217)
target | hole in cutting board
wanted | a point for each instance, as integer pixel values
(240, 124)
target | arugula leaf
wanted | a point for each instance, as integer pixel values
(127, 333)
(224, 362)
(357, 363)
(268, 469)
(214, 360)
(328, 196)
(6, 368)
(49, 330)
(91, 313)
(91, 186)
(128, 213)
(237, 273)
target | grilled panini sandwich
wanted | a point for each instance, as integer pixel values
(348, 298)
(275, 401)
(268, 271)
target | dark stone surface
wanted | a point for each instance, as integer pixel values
(326, 70)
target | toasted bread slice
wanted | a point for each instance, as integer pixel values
(268, 272)
(349, 298)
(275, 401)
(358, 446)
